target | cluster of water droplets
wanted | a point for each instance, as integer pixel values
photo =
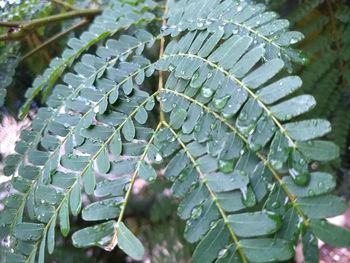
(3, 3)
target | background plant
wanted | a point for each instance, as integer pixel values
(198, 101)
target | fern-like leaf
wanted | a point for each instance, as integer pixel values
(120, 16)
(230, 136)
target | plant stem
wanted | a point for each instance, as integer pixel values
(37, 42)
(54, 38)
(8, 24)
(25, 27)
(114, 239)
(161, 52)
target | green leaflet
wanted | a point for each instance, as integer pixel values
(319, 150)
(307, 130)
(147, 172)
(115, 187)
(98, 235)
(267, 250)
(102, 210)
(141, 116)
(310, 247)
(41, 257)
(116, 144)
(228, 255)
(89, 181)
(129, 243)
(177, 118)
(330, 234)
(320, 183)
(211, 244)
(231, 201)
(128, 130)
(74, 162)
(28, 231)
(255, 224)
(199, 222)
(102, 161)
(64, 218)
(279, 89)
(75, 199)
(293, 107)
(279, 151)
(220, 182)
(322, 206)
(51, 236)
(263, 74)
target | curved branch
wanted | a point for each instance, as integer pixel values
(54, 38)
(22, 28)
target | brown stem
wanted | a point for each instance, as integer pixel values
(37, 42)
(9, 24)
(54, 38)
(24, 27)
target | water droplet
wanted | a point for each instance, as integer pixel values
(276, 204)
(151, 179)
(293, 41)
(207, 92)
(171, 67)
(196, 212)
(221, 102)
(223, 253)
(181, 177)
(249, 199)
(243, 116)
(158, 158)
(311, 192)
(213, 224)
(226, 166)
(277, 164)
(302, 179)
(195, 76)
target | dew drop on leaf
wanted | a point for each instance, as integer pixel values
(207, 92)
(226, 166)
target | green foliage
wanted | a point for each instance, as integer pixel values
(226, 130)
(9, 58)
(326, 25)
(8, 64)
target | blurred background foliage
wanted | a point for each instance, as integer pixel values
(152, 212)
